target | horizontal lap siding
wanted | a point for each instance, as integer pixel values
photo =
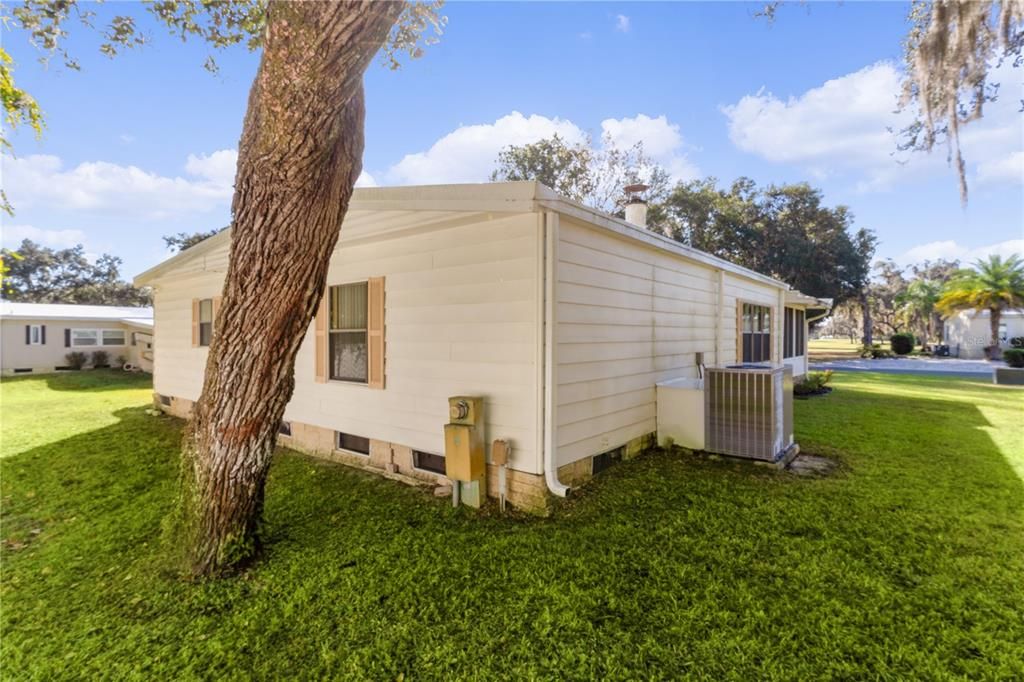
(629, 316)
(45, 357)
(460, 319)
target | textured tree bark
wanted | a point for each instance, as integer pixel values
(865, 309)
(298, 160)
(995, 316)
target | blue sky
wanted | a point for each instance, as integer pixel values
(143, 145)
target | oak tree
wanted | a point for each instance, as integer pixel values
(299, 156)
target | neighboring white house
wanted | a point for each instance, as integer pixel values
(562, 317)
(36, 337)
(969, 332)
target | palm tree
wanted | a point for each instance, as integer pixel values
(995, 284)
(918, 303)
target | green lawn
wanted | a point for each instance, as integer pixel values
(906, 564)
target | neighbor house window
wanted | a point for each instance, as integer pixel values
(347, 330)
(85, 337)
(756, 337)
(428, 461)
(795, 324)
(352, 443)
(113, 337)
(205, 321)
(35, 334)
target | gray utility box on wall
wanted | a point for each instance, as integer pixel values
(748, 412)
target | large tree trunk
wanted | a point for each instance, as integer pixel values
(298, 160)
(995, 316)
(865, 311)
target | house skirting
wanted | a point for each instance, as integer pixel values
(526, 491)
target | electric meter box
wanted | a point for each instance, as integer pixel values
(464, 458)
(466, 410)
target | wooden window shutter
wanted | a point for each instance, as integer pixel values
(195, 323)
(320, 340)
(375, 332)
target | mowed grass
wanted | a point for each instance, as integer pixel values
(839, 348)
(906, 563)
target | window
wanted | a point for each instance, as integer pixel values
(346, 441)
(35, 334)
(428, 462)
(205, 321)
(285, 429)
(85, 337)
(113, 337)
(794, 322)
(347, 329)
(756, 337)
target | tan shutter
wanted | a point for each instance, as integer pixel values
(215, 310)
(195, 323)
(375, 331)
(320, 340)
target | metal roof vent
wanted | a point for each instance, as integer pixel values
(636, 205)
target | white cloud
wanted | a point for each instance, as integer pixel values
(218, 167)
(126, 138)
(622, 23)
(468, 153)
(57, 239)
(661, 140)
(101, 186)
(1010, 168)
(849, 125)
(586, 35)
(365, 180)
(952, 250)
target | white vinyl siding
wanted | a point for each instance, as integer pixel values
(460, 316)
(629, 315)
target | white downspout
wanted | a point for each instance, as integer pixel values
(550, 368)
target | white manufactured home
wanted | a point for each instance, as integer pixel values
(36, 337)
(969, 332)
(562, 318)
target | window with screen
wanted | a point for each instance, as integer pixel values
(85, 337)
(205, 321)
(756, 336)
(113, 337)
(794, 325)
(347, 330)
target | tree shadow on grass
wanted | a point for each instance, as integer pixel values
(667, 565)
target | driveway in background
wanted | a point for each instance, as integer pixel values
(941, 366)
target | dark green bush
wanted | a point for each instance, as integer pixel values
(902, 343)
(1017, 342)
(100, 358)
(76, 360)
(1014, 357)
(874, 351)
(814, 383)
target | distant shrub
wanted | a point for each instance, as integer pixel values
(1017, 342)
(100, 358)
(815, 383)
(901, 344)
(76, 360)
(120, 361)
(1014, 357)
(875, 351)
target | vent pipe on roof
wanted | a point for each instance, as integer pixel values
(636, 205)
